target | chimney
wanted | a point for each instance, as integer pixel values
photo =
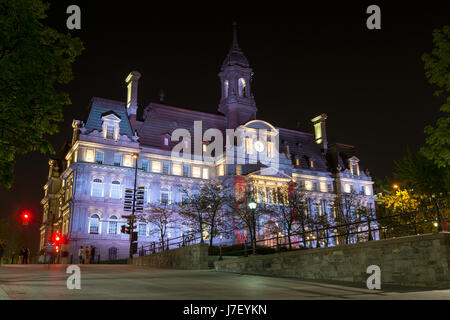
(320, 132)
(132, 89)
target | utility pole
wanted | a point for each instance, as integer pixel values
(135, 156)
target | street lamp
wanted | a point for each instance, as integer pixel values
(252, 207)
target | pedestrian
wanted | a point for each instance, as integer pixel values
(80, 254)
(26, 255)
(87, 254)
(21, 252)
(92, 254)
(42, 257)
(13, 254)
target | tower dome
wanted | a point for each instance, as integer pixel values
(235, 55)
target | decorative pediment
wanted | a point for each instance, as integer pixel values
(111, 116)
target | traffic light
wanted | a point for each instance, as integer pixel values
(57, 249)
(125, 229)
(25, 217)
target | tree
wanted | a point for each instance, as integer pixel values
(437, 70)
(289, 212)
(249, 214)
(206, 210)
(35, 61)
(345, 206)
(161, 216)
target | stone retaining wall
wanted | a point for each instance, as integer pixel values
(188, 257)
(422, 261)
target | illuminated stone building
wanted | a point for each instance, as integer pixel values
(84, 194)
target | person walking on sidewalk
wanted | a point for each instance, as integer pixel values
(87, 254)
(80, 255)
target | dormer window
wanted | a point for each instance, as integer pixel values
(109, 132)
(354, 166)
(110, 125)
(166, 140)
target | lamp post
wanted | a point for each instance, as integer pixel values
(135, 156)
(252, 207)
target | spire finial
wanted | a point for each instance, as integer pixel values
(235, 43)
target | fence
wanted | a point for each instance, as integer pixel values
(315, 236)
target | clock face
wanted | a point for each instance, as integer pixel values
(259, 146)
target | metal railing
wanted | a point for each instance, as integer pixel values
(334, 234)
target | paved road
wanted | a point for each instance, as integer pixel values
(134, 282)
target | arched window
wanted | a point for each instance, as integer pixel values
(112, 253)
(94, 224)
(97, 188)
(112, 225)
(226, 85)
(116, 190)
(242, 85)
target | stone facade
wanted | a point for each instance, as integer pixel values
(421, 261)
(194, 257)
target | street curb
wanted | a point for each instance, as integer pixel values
(3, 294)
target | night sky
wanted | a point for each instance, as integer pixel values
(307, 60)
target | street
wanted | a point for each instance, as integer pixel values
(134, 282)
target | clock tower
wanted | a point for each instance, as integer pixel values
(237, 102)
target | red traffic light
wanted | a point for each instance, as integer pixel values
(25, 217)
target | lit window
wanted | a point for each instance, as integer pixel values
(94, 224)
(368, 193)
(249, 145)
(205, 173)
(99, 157)
(238, 170)
(97, 188)
(117, 159)
(112, 225)
(347, 188)
(297, 162)
(196, 172)
(90, 155)
(185, 171)
(116, 190)
(323, 187)
(156, 166)
(127, 161)
(176, 169)
(165, 199)
(311, 164)
(144, 165)
(308, 185)
(166, 141)
(220, 170)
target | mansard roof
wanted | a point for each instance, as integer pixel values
(99, 107)
(160, 119)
